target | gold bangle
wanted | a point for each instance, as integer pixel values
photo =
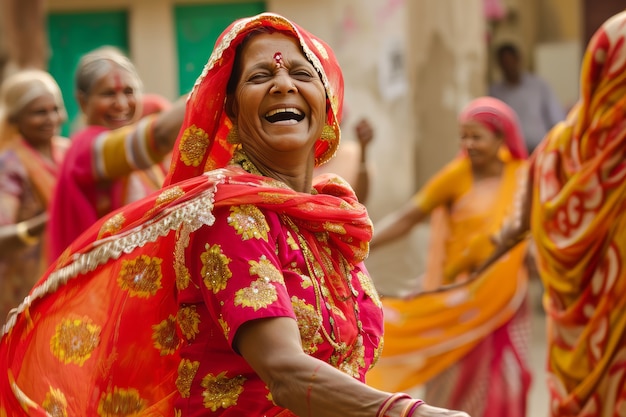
(22, 233)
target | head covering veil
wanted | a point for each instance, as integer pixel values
(202, 143)
(498, 117)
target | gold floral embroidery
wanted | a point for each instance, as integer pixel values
(183, 277)
(261, 292)
(165, 336)
(121, 402)
(225, 326)
(221, 391)
(378, 351)
(249, 222)
(328, 132)
(215, 271)
(309, 323)
(334, 228)
(306, 281)
(258, 295)
(55, 403)
(291, 241)
(189, 321)
(193, 145)
(112, 225)
(369, 289)
(360, 254)
(355, 361)
(266, 270)
(178, 413)
(141, 276)
(74, 340)
(169, 195)
(273, 198)
(186, 373)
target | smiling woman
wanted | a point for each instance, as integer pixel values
(31, 112)
(116, 158)
(242, 282)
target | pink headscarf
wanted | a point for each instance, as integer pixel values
(498, 117)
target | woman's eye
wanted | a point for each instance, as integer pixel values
(258, 78)
(302, 75)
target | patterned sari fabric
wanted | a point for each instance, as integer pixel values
(26, 183)
(468, 343)
(579, 223)
(142, 308)
(112, 295)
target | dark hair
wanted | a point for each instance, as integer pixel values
(507, 48)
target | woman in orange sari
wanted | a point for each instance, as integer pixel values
(31, 113)
(236, 291)
(466, 341)
(575, 208)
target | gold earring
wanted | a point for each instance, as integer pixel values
(233, 135)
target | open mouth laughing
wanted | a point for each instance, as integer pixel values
(288, 115)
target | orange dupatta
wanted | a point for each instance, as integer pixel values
(426, 334)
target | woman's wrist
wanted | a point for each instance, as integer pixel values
(399, 405)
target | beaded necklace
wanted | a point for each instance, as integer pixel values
(340, 288)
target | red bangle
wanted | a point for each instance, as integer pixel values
(413, 408)
(389, 402)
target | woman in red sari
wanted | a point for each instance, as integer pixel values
(575, 209)
(116, 158)
(240, 288)
(31, 113)
(466, 343)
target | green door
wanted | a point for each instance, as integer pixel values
(73, 34)
(197, 29)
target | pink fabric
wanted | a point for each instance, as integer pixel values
(499, 118)
(74, 202)
(494, 9)
(493, 379)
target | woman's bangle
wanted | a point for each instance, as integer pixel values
(411, 407)
(389, 402)
(22, 233)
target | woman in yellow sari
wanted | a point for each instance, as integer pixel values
(467, 340)
(575, 207)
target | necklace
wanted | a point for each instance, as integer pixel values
(241, 159)
(325, 294)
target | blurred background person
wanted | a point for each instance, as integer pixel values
(116, 158)
(31, 113)
(467, 341)
(534, 101)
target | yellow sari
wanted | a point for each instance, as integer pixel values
(428, 334)
(579, 223)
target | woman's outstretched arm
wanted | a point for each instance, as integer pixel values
(308, 386)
